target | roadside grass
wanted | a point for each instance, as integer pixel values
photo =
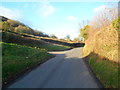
(55, 47)
(106, 71)
(17, 58)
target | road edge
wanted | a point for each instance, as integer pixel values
(99, 83)
(25, 72)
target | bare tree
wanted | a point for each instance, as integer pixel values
(83, 23)
(104, 17)
(67, 38)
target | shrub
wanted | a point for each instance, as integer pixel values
(116, 23)
(13, 23)
(53, 36)
(3, 18)
(6, 26)
(84, 32)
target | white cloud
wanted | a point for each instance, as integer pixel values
(47, 10)
(100, 8)
(10, 13)
(71, 18)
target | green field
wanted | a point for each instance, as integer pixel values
(106, 71)
(54, 47)
(16, 58)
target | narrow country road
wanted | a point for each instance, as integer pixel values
(66, 70)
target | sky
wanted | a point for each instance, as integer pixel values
(59, 18)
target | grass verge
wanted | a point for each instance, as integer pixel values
(55, 47)
(106, 71)
(17, 58)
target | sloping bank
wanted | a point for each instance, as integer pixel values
(102, 52)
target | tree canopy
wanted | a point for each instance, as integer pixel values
(85, 32)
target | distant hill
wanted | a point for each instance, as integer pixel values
(16, 26)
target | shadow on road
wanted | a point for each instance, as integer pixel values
(66, 70)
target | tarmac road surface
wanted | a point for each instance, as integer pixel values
(66, 70)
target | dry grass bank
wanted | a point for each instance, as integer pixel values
(104, 43)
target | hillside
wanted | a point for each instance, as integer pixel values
(16, 26)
